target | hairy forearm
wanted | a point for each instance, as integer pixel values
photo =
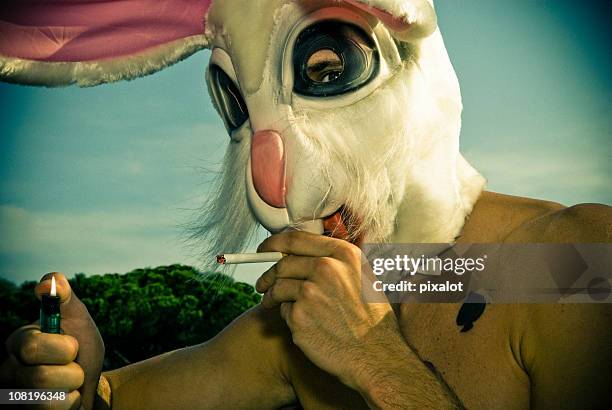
(396, 378)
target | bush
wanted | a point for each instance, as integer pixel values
(145, 312)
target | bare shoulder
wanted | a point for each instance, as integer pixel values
(506, 218)
(582, 223)
(496, 215)
(565, 348)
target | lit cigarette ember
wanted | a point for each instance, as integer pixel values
(235, 258)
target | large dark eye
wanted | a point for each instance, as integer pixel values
(229, 101)
(331, 58)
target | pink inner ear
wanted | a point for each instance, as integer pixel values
(87, 30)
(394, 23)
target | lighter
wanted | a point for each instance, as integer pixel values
(50, 311)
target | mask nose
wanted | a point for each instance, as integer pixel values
(268, 167)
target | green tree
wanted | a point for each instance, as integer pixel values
(144, 312)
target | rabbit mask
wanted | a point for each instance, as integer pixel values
(347, 108)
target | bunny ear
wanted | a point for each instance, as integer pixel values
(407, 19)
(89, 42)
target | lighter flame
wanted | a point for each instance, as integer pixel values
(53, 289)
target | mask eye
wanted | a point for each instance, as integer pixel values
(332, 58)
(228, 99)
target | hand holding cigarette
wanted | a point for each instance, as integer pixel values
(318, 289)
(315, 227)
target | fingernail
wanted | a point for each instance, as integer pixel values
(46, 276)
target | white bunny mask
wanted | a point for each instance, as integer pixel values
(383, 145)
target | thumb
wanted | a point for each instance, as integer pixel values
(64, 291)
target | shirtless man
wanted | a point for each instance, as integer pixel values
(324, 348)
(313, 341)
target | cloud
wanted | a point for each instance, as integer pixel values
(33, 243)
(557, 175)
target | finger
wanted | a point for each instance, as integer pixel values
(314, 269)
(31, 347)
(63, 287)
(301, 243)
(284, 290)
(67, 377)
(285, 312)
(290, 267)
(13, 340)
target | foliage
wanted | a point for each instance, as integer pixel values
(145, 312)
(18, 306)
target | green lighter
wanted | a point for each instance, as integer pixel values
(50, 318)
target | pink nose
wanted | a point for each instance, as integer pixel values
(268, 167)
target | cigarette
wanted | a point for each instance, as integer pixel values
(314, 226)
(235, 258)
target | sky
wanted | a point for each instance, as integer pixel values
(101, 179)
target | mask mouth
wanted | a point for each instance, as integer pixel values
(342, 224)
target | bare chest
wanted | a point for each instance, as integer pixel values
(480, 364)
